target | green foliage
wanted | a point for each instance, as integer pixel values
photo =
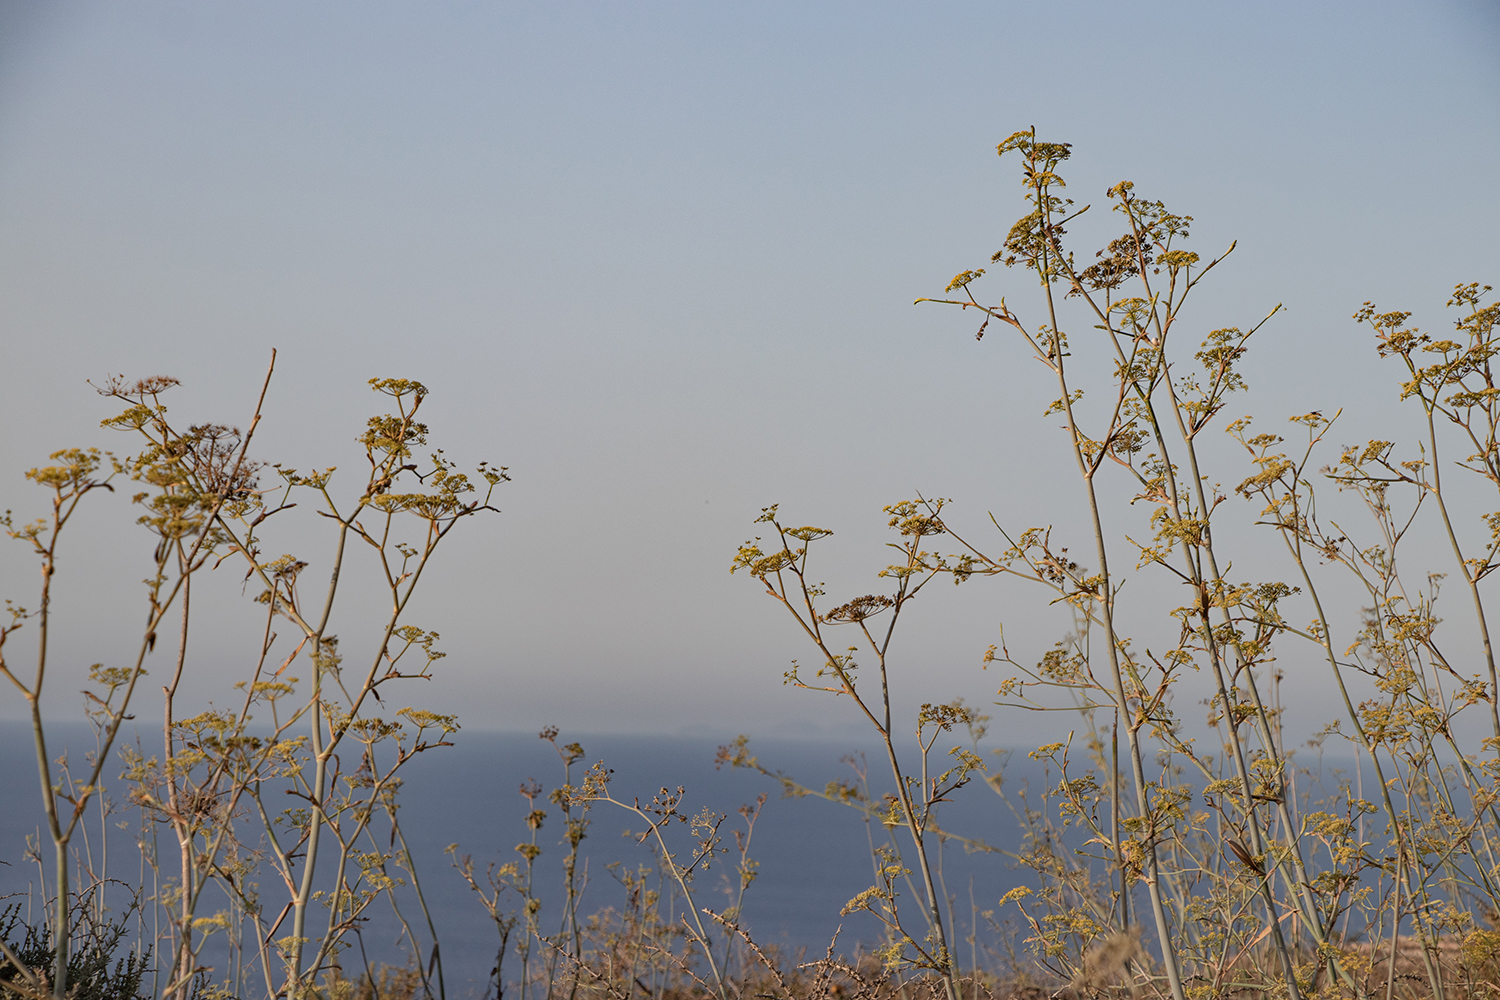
(101, 966)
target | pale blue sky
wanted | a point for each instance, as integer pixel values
(659, 259)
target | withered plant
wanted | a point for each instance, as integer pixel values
(1206, 844)
(237, 862)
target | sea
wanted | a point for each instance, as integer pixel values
(812, 855)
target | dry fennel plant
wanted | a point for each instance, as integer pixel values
(219, 784)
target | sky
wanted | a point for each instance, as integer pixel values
(659, 259)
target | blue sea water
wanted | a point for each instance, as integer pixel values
(813, 855)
